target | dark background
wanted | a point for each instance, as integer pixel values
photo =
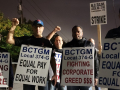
(64, 13)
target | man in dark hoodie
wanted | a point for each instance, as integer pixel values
(11, 76)
(79, 41)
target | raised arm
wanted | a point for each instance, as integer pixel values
(57, 28)
(10, 36)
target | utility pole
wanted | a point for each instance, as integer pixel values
(20, 10)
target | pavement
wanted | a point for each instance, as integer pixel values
(17, 86)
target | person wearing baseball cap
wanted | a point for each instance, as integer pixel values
(37, 40)
(38, 22)
(38, 28)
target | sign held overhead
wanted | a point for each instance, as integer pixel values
(98, 13)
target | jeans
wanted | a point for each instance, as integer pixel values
(32, 87)
(57, 87)
(96, 88)
(78, 87)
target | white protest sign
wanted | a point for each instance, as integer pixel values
(58, 57)
(109, 72)
(4, 69)
(78, 66)
(33, 65)
(98, 13)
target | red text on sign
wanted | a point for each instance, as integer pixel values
(78, 64)
(4, 67)
(57, 65)
(73, 80)
(58, 77)
(3, 81)
(78, 71)
(87, 80)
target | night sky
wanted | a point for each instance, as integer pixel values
(64, 13)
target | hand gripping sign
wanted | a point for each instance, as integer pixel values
(33, 65)
(109, 72)
(98, 16)
(78, 66)
(4, 69)
(58, 57)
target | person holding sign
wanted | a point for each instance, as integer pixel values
(58, 56)
(11, 76)
(36, 40)
(114, 33)
(79, 41)
(58, 43)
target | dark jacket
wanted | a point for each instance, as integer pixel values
(113, 33)
(11, 76)
(85, 43)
